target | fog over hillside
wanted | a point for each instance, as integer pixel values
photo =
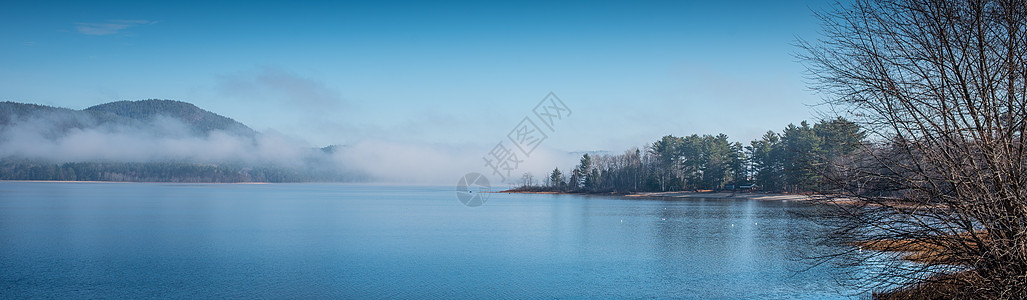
(98, 133)
(33, 138)
(151, 131)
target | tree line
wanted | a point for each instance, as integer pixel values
(164, 172)
(789, 161)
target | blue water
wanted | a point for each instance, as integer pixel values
(142, 240)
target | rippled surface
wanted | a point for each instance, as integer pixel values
(121, 240)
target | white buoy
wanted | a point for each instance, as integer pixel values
(732, 225)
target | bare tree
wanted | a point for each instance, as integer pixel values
(940, 87)
(527, 180)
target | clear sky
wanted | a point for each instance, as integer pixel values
(451, 73)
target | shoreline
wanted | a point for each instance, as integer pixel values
(725, 195)
(683, 195)
(101, 181)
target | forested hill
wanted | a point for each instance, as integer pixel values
(198, 119)
(152, 140)
(13, 112)
(128, 113)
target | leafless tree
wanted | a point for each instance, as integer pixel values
(940, 87)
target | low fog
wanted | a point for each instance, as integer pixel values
(70, 137)
(53, 137)
(398, 162)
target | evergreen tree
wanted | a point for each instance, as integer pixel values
(556, 179)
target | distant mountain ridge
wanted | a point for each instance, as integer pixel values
(198, 118)
(154, 141)
(124, 112)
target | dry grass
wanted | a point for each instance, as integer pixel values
(935, 252)
(947, 286)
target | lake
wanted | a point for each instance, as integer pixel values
(150, 240)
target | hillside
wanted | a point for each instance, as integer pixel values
(198, 119)
(151, 140)
(12, 112)
(127, 113)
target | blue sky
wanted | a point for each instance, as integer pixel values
(443, 73)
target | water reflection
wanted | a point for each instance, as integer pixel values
(324, 240)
